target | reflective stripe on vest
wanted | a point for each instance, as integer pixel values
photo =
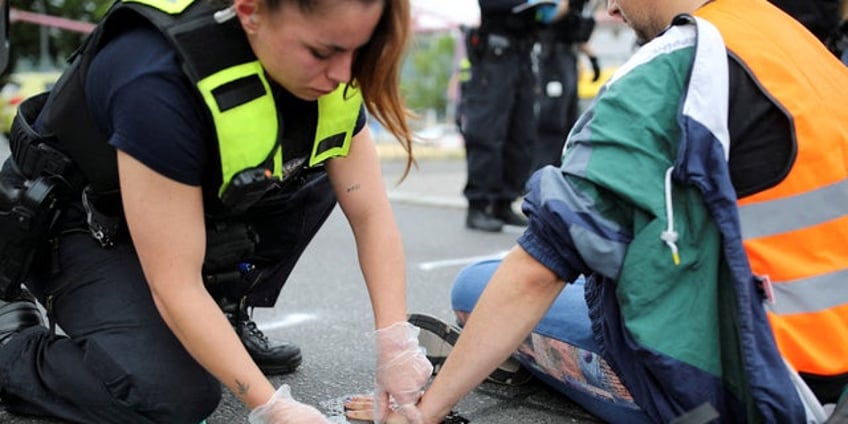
(172, 7)
(249, 119)
(464, 70)
(796, 232)
(255, 119)
(337, 115)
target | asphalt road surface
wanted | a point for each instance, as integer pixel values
(324, 307)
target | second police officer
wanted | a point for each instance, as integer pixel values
(497, 117)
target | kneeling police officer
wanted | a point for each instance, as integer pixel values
(160, 183)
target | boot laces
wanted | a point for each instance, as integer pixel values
(256, 332)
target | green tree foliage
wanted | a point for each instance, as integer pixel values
(26, 42)
(427, 73)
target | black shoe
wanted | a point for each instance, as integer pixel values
(18, 314)
(504, 212)
(479, 219)
(438, 337)
(282, 358)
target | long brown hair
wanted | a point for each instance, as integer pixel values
(376, 67)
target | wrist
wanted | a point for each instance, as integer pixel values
(258, 396)
(431, 414)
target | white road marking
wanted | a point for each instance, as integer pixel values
(427, 266)
(288, 321)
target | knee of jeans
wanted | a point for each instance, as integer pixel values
(469, 284)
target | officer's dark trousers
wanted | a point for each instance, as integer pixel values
(120, 363)
(499, 125)
(558, 102)
(287, 224)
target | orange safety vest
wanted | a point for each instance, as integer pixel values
(796, 233)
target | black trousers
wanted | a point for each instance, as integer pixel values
(558, 101)
(498, 124)
(120, 363)
(286, 224)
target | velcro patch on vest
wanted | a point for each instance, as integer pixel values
(238, 92)
(331, 142)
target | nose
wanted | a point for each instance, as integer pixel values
(339, 67)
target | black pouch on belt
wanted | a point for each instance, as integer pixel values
(228, 243)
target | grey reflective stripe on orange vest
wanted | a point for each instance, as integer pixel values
(801, 211)
(809, 294)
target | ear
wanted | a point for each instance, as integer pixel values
(246, 11)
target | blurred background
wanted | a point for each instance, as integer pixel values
(45, 32)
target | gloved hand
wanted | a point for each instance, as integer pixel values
(546, 13)
(402, 371)
(596, 68)
(283, 409)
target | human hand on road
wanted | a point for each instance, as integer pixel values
(361, 408)
(283, 409)
(402, 371)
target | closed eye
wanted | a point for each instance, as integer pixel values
(320, 55)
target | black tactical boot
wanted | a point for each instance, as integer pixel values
(480, 218)
(18, 314)
(281, 358)
(503, 211)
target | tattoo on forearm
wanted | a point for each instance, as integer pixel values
(242, 388)
(353, 188)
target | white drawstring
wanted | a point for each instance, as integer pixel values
(669, 236)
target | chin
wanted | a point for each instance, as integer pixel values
(307, 94)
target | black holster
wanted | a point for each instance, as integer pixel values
(34, 186)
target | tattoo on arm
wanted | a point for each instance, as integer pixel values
(242, 388)
(353, 188)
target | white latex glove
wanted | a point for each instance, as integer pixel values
(283, 409)
(402, 371)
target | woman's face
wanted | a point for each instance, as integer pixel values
(309, 52)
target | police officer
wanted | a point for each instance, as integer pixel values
(560, 43)
(184, 171)
(826, 19)
(497, 109)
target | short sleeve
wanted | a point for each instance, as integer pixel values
(141, 99)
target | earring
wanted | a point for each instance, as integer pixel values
(225, 15)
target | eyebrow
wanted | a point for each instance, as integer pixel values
(338, 49)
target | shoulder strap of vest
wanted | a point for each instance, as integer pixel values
(191, 27)
(227, 79)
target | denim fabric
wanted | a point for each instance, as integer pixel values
(561, 350)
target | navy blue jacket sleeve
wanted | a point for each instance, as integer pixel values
(547, 237)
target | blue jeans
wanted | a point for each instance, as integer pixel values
(561, 350)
